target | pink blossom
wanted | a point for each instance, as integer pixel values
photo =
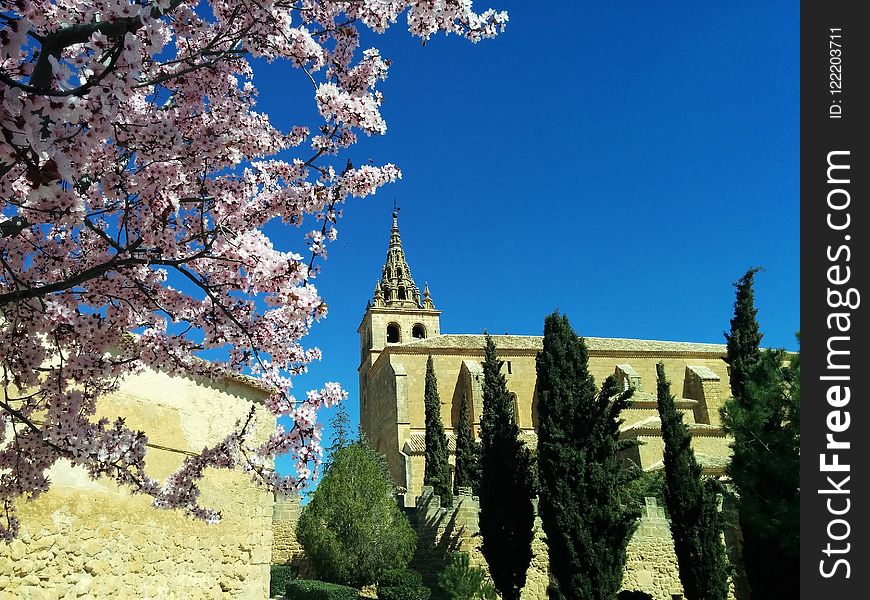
(137, 177)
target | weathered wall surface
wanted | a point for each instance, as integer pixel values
(651, 564)
(392, 390)
(380, 415)
(442, 530)
(286, 549)
(86, 538)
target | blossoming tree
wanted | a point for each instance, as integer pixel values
(136, 179)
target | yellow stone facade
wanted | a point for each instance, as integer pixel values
(399, 331)
(91, 539)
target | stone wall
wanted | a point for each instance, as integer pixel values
(442, 530)
(651, 564)
(286, 549)
(392, 391)
(538, 574)
(86, 538)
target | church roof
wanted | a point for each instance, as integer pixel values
(416, 443)
(708, 463)
(535, 342)
(653, 425)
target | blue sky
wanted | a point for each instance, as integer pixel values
(622, 161)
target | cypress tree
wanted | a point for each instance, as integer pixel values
(763, 416)
(467, 452)
(580, 475)
(506, 512)
(744, 339)
(696, 523)
(765, 469)
(437, 472)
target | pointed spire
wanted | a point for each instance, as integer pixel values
(379, 295)
(427, 299)
(395, 238)
(396, 287)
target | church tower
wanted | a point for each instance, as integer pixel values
(397, 313)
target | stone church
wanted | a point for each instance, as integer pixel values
(401, 329)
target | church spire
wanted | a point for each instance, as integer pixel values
(396, 288)
(427, 299)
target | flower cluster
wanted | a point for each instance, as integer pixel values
(136, 178)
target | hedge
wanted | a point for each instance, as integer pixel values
(280, 575)
(308, 589)
(402, 584)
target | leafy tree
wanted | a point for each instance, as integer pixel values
(696, 523)
(461, 581)
(340, 424)
(352, 529)
(581, 477)
(137, 177)
(765, 469)
(437, 473)
(467, 452)
(649, 484)
(506, 512)
(744, 339)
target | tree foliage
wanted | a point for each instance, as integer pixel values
(765, 469)
(436, 453)
(744, 339)
(467, 452)
(649, 484)
(341, 435)
(696, 524)
(763, 416)
(580, 475)
(137, 178)
(352, 529)
(461, 581)
(506, 512)
(402, 584)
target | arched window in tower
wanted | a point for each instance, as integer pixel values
(418, 332)
(394, 335)
(399, 272)
(401, 293)
(516, 408)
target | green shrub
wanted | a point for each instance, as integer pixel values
(353, 529)
(648, 484)
(281, 574)
(402, 584)
(308, 589)
(461, 581)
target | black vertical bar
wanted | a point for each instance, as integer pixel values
(835, 169)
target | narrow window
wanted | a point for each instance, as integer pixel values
(401, 293)
(509, 368)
